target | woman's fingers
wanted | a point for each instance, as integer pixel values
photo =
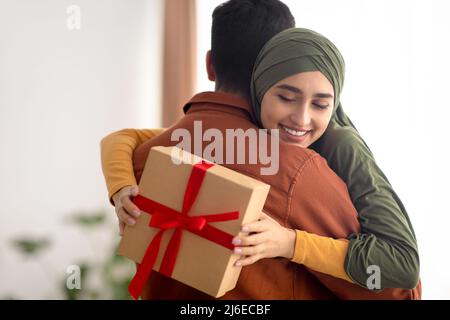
(257, 226)
(249, 240)
(126, 210)
(251, 250)
(125, 217)
(130, 207)
(121, 228)
(266, 239)
(247, 260)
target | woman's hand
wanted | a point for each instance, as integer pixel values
(265, 238)
(126, 210)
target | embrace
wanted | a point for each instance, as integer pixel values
(331, 217)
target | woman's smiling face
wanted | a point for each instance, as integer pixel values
(300, 106)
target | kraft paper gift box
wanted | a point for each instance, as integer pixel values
(197, 207)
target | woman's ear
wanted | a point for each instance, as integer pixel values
(209, 67)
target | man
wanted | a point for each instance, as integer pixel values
(305, 193)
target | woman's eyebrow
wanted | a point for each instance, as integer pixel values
(289, 88)
(297, 90)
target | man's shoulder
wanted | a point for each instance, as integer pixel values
(298, 154)
(309, 168)
(299, 158)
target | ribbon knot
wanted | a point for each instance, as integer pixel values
(168, 221)
(192, 223)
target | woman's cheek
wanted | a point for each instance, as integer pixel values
(269, 115)
(264, 116)
(330, 114)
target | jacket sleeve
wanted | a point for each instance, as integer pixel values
(387, 238)
(322, 254)
(320, 204)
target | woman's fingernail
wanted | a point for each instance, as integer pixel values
(245, 229)
(131, 222)
(238, 264)
(237, 250)
(237, 241)
(136, 213)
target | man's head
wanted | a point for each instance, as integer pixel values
(240, 29)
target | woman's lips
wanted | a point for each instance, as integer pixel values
(293, 136)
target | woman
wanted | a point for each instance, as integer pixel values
(296, 85)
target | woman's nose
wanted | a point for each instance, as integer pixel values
(301, 116)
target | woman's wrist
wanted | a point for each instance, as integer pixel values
(290, 243)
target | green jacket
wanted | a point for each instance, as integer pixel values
(387, 238)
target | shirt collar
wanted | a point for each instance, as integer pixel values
(220, 98)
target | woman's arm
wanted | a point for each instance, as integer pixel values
(116, 155)
(266, 238)
(387, 238)
(117, 165)
(322, 254)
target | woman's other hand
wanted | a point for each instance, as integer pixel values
(264, 238)
(126, 210)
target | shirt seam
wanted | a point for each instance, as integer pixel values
(294, 181)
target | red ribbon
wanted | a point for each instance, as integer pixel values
(166, 218)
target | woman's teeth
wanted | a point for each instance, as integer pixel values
(294, 132)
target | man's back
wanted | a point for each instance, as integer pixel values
(305, 194)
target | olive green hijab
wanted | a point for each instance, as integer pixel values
(293, 51)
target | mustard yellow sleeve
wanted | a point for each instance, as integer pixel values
(322, 254)
(116, 155)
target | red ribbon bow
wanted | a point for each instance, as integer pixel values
(166, 218)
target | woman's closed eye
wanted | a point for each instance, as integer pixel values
(285, 99)
(318, 105)
(321, 106)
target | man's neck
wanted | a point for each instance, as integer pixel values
(235, 92)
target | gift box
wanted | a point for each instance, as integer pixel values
(190, 211)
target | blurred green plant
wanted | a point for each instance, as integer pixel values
(30, 246)
(114, 272)
(86, 220)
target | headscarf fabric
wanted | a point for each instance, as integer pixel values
(293, 51)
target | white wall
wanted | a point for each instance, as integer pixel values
(396, 54)
(61, 91)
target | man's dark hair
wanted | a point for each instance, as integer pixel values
(240, 29)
